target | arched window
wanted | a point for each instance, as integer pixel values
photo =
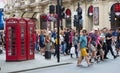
(68, 18)
(90, 11)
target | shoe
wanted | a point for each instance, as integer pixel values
(115, 57)
(90, 64)
(102, 60)
(90, 60)
(106, 58)
(96, 59)
(79, 65)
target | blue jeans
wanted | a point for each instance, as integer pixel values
(76, 52)
(36, 46)
(63, 48)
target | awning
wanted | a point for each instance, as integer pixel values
(19, 14)
(28, 15)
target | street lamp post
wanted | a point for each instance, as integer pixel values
(58, 24)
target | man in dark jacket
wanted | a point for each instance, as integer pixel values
(66, 37)
(109, 44)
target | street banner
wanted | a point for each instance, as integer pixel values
(96, 16)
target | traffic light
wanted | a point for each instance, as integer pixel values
(57, 8)
(51, 9)
(79, 10)
(62, 14)
(112, 18)
(80, 22)
(79, 26)
(75, 20)
(43, 18)
(61, 11)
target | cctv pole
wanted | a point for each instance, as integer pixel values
(58, 25)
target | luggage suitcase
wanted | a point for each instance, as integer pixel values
(47, 54)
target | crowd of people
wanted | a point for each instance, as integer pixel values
(93, 45)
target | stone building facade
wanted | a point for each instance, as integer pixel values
(34, 8)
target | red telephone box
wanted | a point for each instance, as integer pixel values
(30, 39)
(15, 36)
(19, 39)
(22, 39)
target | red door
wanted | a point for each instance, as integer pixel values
(11, 39)
(30, 39)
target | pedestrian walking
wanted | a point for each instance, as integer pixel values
(100, 53)
(92, 44)
(42, 42)
(67, 41)
(103, 38)
(83, 45)
(75, 42)
(91, 48)
(109, 44)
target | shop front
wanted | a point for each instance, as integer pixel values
(115, 15)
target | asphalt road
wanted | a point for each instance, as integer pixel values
(108, 66)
